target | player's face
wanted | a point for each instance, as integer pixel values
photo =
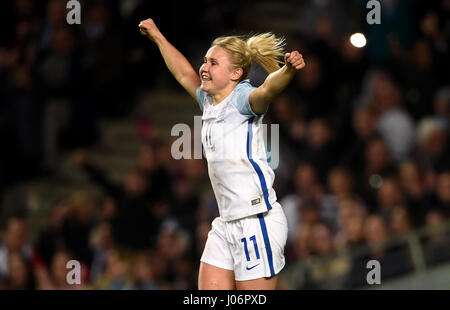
(216, 71)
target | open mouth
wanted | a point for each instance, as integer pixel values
(205, 78)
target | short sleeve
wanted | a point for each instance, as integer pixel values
(241, 98)
(200, 94)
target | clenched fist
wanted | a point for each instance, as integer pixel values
(148, 28)
(294, 60)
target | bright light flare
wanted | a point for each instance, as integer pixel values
(358, 40)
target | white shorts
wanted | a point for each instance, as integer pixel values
(253, 247)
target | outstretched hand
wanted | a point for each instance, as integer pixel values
(294, 60)
(148, 28)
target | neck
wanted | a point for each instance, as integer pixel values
(218, 98)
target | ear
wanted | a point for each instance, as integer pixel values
(236, 74)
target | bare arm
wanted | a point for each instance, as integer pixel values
(178, 65)
(276, 82)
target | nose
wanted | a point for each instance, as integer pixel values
(204, 67)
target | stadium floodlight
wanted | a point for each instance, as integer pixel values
(358, 40)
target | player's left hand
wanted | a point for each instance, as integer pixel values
(294, 60)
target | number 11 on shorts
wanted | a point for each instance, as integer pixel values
(247, 255)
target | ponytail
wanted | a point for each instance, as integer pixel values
(266, 49)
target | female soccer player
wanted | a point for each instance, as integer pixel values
(245, 247)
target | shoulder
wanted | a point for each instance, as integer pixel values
(242, 91)
(241, 97)
(244, 86)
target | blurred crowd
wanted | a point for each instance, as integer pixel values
(364, 141)
(147, 232)
(58, 80)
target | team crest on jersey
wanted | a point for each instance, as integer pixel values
(256, 201)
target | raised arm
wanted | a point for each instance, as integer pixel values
(178, 65)
(276, 82)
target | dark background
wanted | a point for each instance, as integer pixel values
(364, 139)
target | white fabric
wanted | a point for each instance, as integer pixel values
(233, 144)
(226, 248)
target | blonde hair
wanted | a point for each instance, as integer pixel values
(266, 49)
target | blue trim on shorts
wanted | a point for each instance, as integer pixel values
(266, 243)
(255, 165)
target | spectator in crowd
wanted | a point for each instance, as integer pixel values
(143, 272)
(308, 191)
(401, 222)
(433, 146)
(116, 275)
(441, 104)
(443, 192)
(321, 240)
(300, 248)
(51, 238)
(389, 195)
(377, 165)
(105, 71)
(394, 123)
(352, 213)
(157, 175)
(58, 77)
(173, 246)
(20, 274)
(15, 241)
(431, 22)
(185, 202)
(321, 148)
(418, 193)
(132, 221)
(102, 243)
(340, 182)
(313, 90)
(437, 249)
(394, 259)
(363, 125)
(55, 278)
(329, 265)
(290, 119)
(77, 227)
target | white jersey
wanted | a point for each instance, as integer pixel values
(233, 144)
